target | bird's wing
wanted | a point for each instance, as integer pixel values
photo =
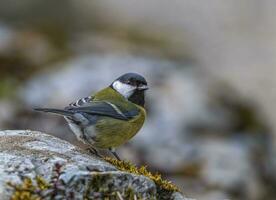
(81, 102)
(90, 106)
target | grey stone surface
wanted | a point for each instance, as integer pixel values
(178, 196)
(27, 153)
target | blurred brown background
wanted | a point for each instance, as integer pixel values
(211, 66)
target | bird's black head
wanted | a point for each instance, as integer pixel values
(132, 86)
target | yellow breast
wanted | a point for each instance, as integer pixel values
(110, 132)
(114, 132)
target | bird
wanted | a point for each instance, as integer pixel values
(110, 117)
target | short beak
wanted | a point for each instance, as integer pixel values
(143, 87)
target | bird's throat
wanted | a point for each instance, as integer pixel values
(138, 97)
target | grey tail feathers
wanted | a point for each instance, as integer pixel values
(55, 111)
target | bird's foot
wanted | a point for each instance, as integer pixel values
(112, 150)
(94, 151)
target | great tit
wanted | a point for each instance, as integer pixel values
(110, 117)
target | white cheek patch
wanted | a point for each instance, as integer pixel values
(124, 89)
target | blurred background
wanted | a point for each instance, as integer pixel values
(210, 66)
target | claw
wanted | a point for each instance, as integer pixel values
(94, 151)
(112, 150)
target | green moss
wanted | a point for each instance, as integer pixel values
(131, 168)
(28, 189)
(38, 188)
(98, 186)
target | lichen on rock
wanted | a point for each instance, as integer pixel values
(129, 167)
(36, 166)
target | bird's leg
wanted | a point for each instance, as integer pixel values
(90, 149)
(94, 151)
(112, 150)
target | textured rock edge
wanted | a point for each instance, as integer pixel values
(31, 153)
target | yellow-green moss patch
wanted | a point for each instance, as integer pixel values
(39, 188)
(28, 189)
(131, 168)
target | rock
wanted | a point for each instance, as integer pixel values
(30, 154)
(178, 196)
